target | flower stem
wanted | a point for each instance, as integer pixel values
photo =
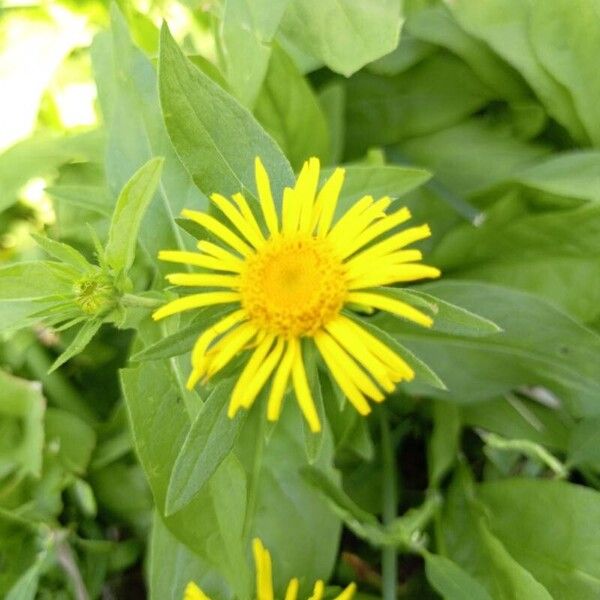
(389, 559)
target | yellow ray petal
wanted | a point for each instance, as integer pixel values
(237, 219)
(290, 211)
(303, 394)
(381, 350)
(399, 274)
(198, 260)
(264, 574)
(306, 189)
(391, 305)
(292, 589)
(356, 267)
(279, 384)
(228, 346)
(346, 384)
(345, 235)
(203, 280)
(348, 593)
(247, 213)
(376, 229)
(263, 345)
(350, 216)
(255, 384)
(393, 243)
(206, 339)
(326, 202)
(353, 371)
(318, 591)
(345, 337)
(195, 301)
(193, 592)
(263, 187)
(219, 253)
(218, 229)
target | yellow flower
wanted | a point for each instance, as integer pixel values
(300, 276)
(264, 582)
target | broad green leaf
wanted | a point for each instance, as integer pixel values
(555, 537)
(377, 181)
(574, 174)
(489, 153)
(211, 524)
(505, 26)
(40, 156)
(215, 138)
(332, 98)
(407, 53)
(436, 93)
(289, 111)
(22, 405)
(88, 197)
(584, 444)
(18, 551)
(127, 90)
(74, 438)
(247, 30)
(63, 252)
(539, 346)
(169, 578)
(444, 442)
(80, 341)
(565, 36)
(435, 25)
(451, 581)
(129, 211)
(208, 443)
(552, 254)
(37, 279)
(344, 34)
(474, 547)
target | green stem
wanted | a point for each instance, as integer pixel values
(389, 559)
(135, 301)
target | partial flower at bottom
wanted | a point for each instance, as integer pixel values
(264, 582)
(286, 280)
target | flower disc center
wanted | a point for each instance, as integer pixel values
(293, 285)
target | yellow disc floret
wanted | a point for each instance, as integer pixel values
(293, 286)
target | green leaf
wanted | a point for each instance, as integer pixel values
(88, 197)
(169, 578)
(552, 254)
(80, 341)
(129, 211)
(474, 547)
(584, 444)
(452, 582)
(377, 181)
(539, 345)
(37, 279)
(436, 93)
(209, 441)
(63, 252)
(22, 405)
(444, 442)
(555, 537)
(344, 35)
(505, 25)
(216, 138)
(247, 30)
(74, 439)
(574, 174)
(572, 26)
(128, 94)
(40, 156)
(289, 111)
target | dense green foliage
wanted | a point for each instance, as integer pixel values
(480, 480)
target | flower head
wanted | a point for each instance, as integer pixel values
(264, 581)
(299, 275)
